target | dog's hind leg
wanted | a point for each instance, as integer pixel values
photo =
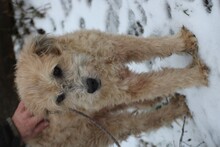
(125, 48)
(121, 125)
(130, 48)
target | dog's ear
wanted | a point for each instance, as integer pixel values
(44, 45)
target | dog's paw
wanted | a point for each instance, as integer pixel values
(190, 40)
(179, 101)
(198, 64)
(205, 72)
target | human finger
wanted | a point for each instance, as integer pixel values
(35, 120)
(28, 114)
(40, 127)
(21, 106)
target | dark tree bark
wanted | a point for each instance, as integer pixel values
(8, 96)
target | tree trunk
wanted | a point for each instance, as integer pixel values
(8, 96)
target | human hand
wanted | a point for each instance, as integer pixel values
(27, 124)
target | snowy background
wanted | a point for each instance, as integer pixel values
(155, 18)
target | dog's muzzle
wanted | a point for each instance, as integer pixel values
(93, 85)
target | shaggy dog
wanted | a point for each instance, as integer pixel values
(85, 71)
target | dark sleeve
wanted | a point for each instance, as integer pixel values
(9, 136)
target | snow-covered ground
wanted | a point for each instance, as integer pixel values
(157, 18)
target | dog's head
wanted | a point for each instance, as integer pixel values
(54, 73)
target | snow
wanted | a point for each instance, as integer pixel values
(157, 18)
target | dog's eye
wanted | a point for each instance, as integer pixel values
(57, 72)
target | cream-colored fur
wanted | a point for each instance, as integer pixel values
(52, 78)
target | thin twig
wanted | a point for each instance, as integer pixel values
(183, 130)
(200, 144)
(186, 144)
(97, 125)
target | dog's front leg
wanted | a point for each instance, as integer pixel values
(148, 86)
(121, 125)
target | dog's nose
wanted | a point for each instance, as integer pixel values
(92, 85)
(60, 98)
